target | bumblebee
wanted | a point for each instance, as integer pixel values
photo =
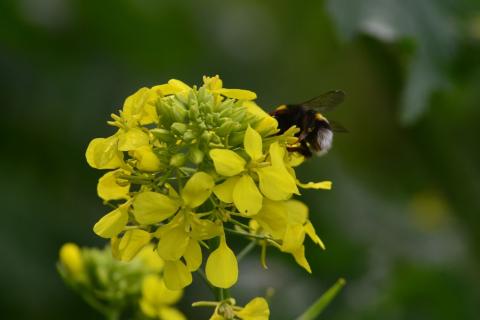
(316, 132)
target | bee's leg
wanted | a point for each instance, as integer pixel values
(303, 149)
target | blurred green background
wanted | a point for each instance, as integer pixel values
(402, 223)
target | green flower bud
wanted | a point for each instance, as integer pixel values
(188, 135)
(238, 114)
(164, 111)
(179, 128)
(178, 160)
(225, 128)
(206, 136)
(196, 155)
(194, 112)
(236, 138)
(162, 135)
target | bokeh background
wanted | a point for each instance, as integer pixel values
(402, 223)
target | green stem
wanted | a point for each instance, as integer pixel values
(249, 247)
(238, 223)
(318, 306)
(250, 235)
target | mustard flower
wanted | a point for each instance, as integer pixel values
(112, 287)
(187, 168)
(274, 180)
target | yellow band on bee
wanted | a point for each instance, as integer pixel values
(320, 116)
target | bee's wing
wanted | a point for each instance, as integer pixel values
(337, 127)
(325, 102)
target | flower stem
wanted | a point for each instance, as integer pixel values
(250, 235)
(249, 247)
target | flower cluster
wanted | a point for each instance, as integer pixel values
(114, 288)
(190, 166)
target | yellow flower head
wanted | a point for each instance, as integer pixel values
(189, 166)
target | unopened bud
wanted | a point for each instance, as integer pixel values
(178, 160)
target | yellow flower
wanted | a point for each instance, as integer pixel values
(287, 221)
(71, 259)
(157, 299)
(180, 237)
(256, 309)
(275, 182)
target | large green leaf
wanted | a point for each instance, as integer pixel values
(432, 25)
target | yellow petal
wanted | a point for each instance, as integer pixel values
(203, 229)
(165, 89)
(257, 309)
(112, 223)
(109, 189)
(327, 185)
(276, 183)
(152, 207)
(178, 85)
(227, 163)
(167, 313)
(173, 243)
(273, 218)
(224, 191)
(131, 243)
(149, 309)
(310, 230)
(176, 275)
(71, 258)
(156, 293)
(246, 196)
(267, 125)
(297, 212)
(293, 238)
(277, 155)
(295, 159)
(222, 266)
(252, 142)
(150, 259)
(239, 94)
(139, 107)
(197, 189)
(132, 139)
(193, 255)
(147, 160)
(299, 256)
(102, 153)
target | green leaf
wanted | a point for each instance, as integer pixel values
(318, 306)
(429, 24)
